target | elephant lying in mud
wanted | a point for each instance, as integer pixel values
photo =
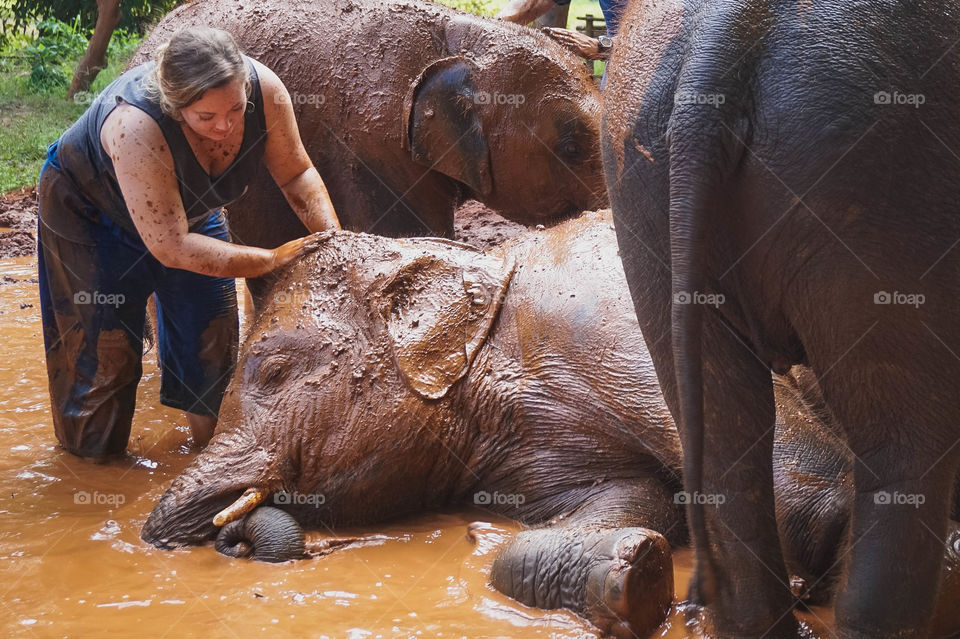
(394, 376)
(407, 108)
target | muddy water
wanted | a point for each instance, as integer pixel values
(72, 563)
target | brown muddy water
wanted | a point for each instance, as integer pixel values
(72, 563)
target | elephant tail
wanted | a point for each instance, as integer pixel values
(705, 137)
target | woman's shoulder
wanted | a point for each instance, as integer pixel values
(127, 120)
(269, 81)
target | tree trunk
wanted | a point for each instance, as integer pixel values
(95, 58)
(555, 17)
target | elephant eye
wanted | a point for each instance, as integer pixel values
(273, 370)
(570, 149)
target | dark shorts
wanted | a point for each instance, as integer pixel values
(95, 279)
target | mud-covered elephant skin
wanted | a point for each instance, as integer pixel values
(388, 377)
(784, 182)
(407, 108)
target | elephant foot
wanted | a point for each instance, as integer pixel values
(630, 594)
(620, 580)
(703, 623)
(266, 534)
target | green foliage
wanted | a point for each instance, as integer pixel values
(478, 7)
(56, 42)
(137, 14)
(52, 55)
(31, 115)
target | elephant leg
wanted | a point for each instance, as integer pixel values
(621, 580)
(749, 595)
(604, 560)
(946, 618)
(896, 543)
(896, 409)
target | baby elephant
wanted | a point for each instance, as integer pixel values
(391, 376)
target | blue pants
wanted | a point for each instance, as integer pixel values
(95, 279)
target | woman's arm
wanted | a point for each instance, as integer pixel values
(287, 160)
(148, 182)
(524, 11)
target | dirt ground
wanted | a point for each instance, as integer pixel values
(474, 224)
(18, 222)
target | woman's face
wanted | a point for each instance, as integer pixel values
(217, 111)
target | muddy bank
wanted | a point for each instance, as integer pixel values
(18, 222)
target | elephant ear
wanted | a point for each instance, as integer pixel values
(441, 126)
(439, 311)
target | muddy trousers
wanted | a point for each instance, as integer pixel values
(94, 287)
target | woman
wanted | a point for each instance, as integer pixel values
(131, 201)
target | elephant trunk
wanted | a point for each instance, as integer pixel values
(214, 480)
(266, 534)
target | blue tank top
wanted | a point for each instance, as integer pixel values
(83, 159)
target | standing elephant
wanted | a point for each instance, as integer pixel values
(387, 377)
(407, 108)
(784, 181)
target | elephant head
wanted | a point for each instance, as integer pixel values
(348, 369)
(512, 116)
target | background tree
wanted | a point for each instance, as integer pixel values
(103, 16)
(95, 58)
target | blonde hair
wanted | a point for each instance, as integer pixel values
(191, 62)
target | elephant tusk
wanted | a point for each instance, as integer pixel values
(250, 499)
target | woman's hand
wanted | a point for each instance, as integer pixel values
(285, 253)
(576, 42)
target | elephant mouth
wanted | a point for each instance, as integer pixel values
(177, 522)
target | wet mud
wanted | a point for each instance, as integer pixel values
(18, 223)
